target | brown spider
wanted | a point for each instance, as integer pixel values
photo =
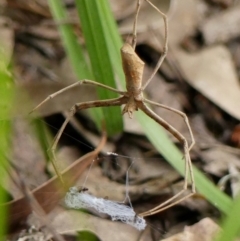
(133, 100)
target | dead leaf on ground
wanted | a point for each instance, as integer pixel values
(215, 155)
(160, 185)
(205, 230)
(72, 221)
(222, 27)
(49, 193)
(235, 179)
(218, 81)
(26, 153)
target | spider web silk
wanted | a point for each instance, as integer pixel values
(77, 200)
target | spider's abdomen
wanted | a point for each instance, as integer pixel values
(133, 69)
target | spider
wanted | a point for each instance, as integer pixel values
(134, 100)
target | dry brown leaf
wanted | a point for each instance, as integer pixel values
(215, 155)
(235, 180)
(26, 152)
(72, 221)
(101, 186)
(205, 230)
(212, 72)
(49, 193)
(222, 27)
(217, 161)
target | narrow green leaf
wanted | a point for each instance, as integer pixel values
(71, 45)
(114, 41)
(231, 223)
(44, 137)
(74, 51)
(6, 103)
(94, 27)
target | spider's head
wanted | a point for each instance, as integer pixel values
(130, 107)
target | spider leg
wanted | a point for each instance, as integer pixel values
(80, 106)
(165, 47)
(185, 118)
(188, 164)
(85, 81)
(163, 206)
(183, 115)
(134, 40)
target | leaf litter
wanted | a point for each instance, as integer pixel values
(193, 75)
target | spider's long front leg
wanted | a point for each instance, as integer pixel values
(81, 106)
(81, 82)
(134, 40)
(165, 46)
(188, 165)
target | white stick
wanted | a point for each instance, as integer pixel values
(77, 200)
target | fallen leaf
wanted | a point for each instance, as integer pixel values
(212, 72)
(49, 193)
(72, 221)
(205, 230)
(222, 27)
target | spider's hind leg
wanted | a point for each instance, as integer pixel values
(188, 165)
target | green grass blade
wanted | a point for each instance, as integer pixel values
(44, 137)
(6, 103)
(70, 42)
(74, 50)
(114, 41)
(93, 23)
(231, 224)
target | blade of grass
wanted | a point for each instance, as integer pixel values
(74, 50)
(6, 93)
(231, 223)
(44, 137)
(71, 45)
(114, 40)
(94, 27)
(82, 70)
